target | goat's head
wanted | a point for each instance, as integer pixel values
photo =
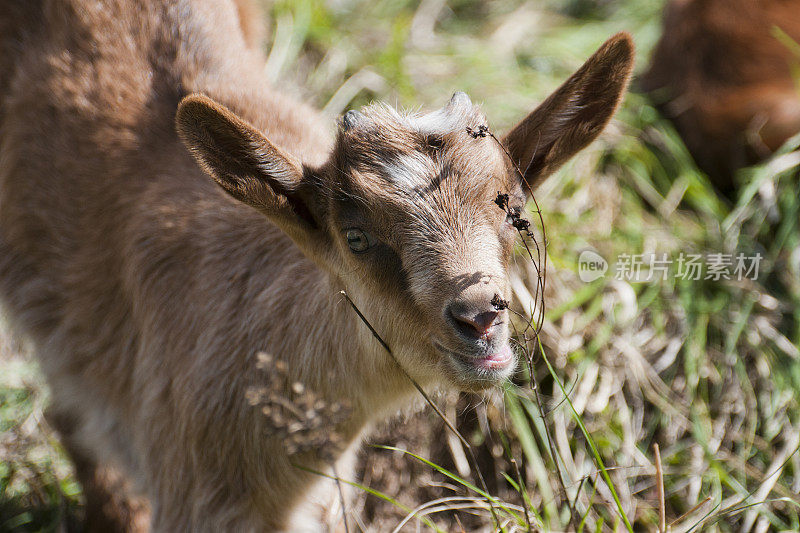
(403, 212)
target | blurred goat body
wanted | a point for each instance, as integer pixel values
(727, 81)
(146, 291)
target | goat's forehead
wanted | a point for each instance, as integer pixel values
(458, 114)
(412, 151)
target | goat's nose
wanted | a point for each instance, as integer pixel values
(471, 322)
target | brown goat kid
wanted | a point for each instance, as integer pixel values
(726, 81)
(146, 292)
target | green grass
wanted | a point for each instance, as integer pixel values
(709, 370)
(37, 491)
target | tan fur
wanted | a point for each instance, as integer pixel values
(251, 22)
(726, 81)
(147, 292)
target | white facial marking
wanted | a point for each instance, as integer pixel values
(410, 171)
(416, 170)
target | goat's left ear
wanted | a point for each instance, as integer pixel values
(247, 165)
(574, 114)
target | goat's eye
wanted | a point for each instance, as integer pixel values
(358, 240)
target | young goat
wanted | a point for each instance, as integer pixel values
(146, 292)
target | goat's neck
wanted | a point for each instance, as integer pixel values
(336, 354)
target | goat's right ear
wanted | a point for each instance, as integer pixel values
(245, 164)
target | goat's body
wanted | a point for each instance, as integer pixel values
(726, 80)
(145, 290)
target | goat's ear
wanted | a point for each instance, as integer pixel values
(245, 164)
(571, 117)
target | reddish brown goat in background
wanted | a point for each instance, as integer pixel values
(726, 81)
(146, 291)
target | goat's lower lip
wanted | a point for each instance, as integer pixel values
(498, 360)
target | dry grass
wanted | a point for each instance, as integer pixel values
(707, 370)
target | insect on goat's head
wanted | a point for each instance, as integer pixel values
(403, 213)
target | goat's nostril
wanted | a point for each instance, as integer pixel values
(474, 324)
(483, 322)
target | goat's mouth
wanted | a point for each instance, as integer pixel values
(482, 369)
